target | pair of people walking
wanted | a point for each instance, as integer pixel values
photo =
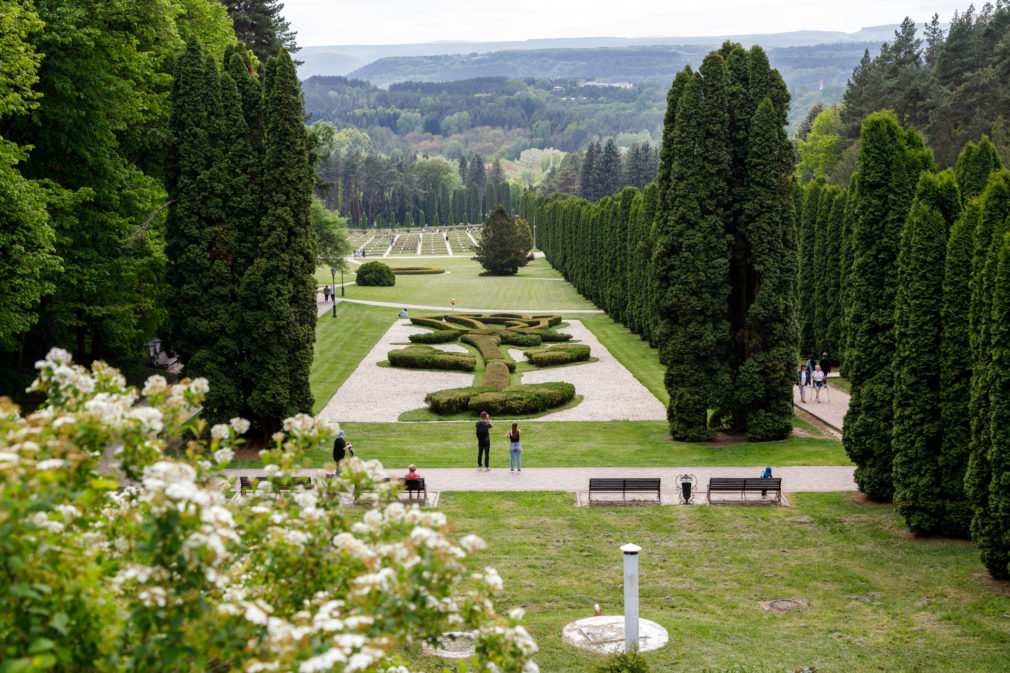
(813, 373)
(484, 426)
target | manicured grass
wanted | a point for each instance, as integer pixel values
(878, 600)
(323, 276)
(630, 350)
(535, 287)
(842, 384)
(572, 444)
(341, 342)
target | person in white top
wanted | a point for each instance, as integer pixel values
(818, 379)
(801, 381)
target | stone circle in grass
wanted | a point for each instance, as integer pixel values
(452, 645)
(487, 332)
(784, 604)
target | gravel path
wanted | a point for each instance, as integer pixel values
(380, 394)
(608, 389)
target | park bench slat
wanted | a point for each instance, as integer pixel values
(744, 485)
(623, 486)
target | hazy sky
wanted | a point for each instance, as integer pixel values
(323, 22)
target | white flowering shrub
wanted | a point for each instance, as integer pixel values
(174, 572)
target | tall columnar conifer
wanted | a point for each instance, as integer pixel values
(923, 492)
(995, 544)
(807, 280)
(278, 291)
(956, 368)
(832, 289)
(981, 475)
(974, 165)
(890, 160)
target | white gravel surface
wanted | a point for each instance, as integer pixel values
(609, 391)
(380, 394)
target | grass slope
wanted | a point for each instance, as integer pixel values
(879, 600)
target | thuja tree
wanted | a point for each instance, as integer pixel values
(924, 493)
(889, 164)
(807, 281)
(831, 287)
(504, 244)
(974, 165)
(725, 260)
(277, 295)
(980, 476)
(994, 544)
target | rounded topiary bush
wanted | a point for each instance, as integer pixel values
(426, 357)
(527, 399)
(497, 375)
(375, 274)
(440, 336)
(510, 337)
(558, 355)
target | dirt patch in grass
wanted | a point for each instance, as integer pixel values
(999, 587)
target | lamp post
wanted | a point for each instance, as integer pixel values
(153, 348)
(333, 276)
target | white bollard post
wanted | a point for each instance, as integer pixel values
(631, 596)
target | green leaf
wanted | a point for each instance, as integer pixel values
(40, 645)
(22, 665)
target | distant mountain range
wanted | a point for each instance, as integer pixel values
(398, 62)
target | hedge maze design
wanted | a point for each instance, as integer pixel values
(487, 332)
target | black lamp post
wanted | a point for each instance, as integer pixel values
(153, 348)
(333, 275)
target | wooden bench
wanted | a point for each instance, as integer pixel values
(743, 485)
(634, 486)
(286, 484)
(415, 485)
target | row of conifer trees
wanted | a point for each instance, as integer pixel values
(239, 245)
(906, 274)
(703, 263)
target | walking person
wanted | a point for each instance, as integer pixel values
(811, 363)
(484, 442)
(341, 448)
(326, 293)
(801, 380)
(515, 449)
(818, 379)
(825, 364)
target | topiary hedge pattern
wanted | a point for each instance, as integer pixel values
(526, 399)
(488, 344)
(558, 355)
(440, 336)
(375, 274)
(415, 270)
(497, 375)
(549, 335)
(507, 336)
(426, 357)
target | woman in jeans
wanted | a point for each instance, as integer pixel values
(515, 449)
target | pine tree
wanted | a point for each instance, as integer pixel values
(922, 492)
(473, 204)
(259, 24)
(587, 176)
(505, 196)
(610, 168)
(464, 171)
(278, 291)
(890, 160)
(989, 233)
(497, 175)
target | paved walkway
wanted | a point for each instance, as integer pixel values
(576, 479)
(832, 407)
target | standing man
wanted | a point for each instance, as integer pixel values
(484, 442)
(825, 364)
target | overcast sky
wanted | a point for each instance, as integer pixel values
(325, 22)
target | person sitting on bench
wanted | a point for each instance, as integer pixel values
(412, 473)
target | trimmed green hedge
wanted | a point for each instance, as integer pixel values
(550, 336)
(558, 355)
(511, 338)
(497, 375)
(453, 400)
(552, 320)
(487, 344)
(469, 323)
(433, 323)
(375, 274)
(415, 270)
(426, 357)
(440, 336)
(527, 399)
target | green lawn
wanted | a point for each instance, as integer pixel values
(570, 444)
(341, 342)
(537, 286)
(323, 276)
(878, 600)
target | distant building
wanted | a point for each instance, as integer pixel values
(616, 85)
